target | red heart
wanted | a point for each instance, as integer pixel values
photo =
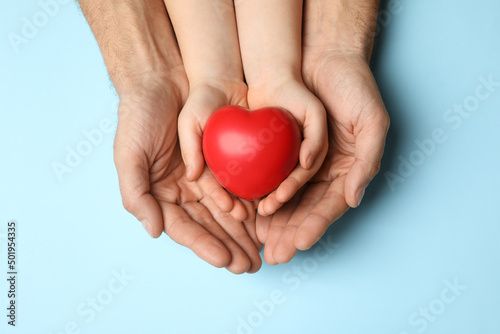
(251, 152)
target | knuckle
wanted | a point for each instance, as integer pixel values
(387, 122)
(184, 119)
(374, 168)
(221, 215)
(128, 203)
(199, 240)
(242, 266)
(172, 226)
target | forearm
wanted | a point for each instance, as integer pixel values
(208, 39)
(342, 25)
(270, 38)
(135, 39)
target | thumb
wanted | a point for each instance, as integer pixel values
(313, 148)
(190, 138)
(370, 142)
(202, 102)
(133, 177)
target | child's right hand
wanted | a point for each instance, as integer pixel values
(271, 53)
(291, 94)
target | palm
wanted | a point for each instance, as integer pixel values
(304, 219)
(192, 219)
(346, 87)
(147, 139)
(147, 129)
(357, 124)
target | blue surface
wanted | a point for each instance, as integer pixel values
(391, 262)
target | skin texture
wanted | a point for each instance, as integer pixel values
(145, 65)
(208, 41)
(337, 43)
(270, 42)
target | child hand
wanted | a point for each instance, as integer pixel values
(271, 54)
(203, 100)
(292, 95)
(208, 40)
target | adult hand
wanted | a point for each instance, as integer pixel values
(271, 54)
(149, 76)
(155, 189)
(337, 43)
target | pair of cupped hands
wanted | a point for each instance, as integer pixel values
(253, 54)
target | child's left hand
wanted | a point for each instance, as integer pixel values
(208, 40)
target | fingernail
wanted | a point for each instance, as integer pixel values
(260, 210)
(360, 194)
(309, 161)
(147, 226)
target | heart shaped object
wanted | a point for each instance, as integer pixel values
(251, 152)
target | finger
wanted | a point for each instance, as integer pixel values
(250, 226)
(370, 142)
(190, 140)
(250, 207)
(263, 206)
(314, 145)
(285, 248)
(297, 178)
(287, 189)
(283, 252)
(330, 208)
(237, 233)
(277, 223)
(133, 177)
(213, 189)
(204, 242)
(251, 249)
(239, 211)
(250, 223)
(262, 227)
(273, 234)
(239, 262)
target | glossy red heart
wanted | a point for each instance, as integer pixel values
(251, 152)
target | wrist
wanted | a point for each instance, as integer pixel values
(218, 91)
(135, 39)
(149, 50)
(272, 75)
(215, 75)
(342, 27)
(271, 91)
(148, 85)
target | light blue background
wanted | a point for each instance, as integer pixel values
(392, 256)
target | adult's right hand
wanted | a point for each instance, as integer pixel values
(337, 43)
